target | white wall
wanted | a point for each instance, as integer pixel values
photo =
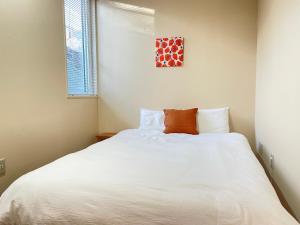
(278, 92)
(219, 67)
(37, 122)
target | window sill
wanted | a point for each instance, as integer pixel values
(81, 96)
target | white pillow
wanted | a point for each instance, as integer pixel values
(213, 120)
(152, 120)
(208, 120)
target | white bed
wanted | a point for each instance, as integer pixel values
(148, 178)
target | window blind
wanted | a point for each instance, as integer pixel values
(80, 47)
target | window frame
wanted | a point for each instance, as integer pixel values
(92, 51)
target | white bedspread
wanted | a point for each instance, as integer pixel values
(148, 178)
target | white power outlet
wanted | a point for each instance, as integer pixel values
(2, 167)
(271, 161)
(260, 148)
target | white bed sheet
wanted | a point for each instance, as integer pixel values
(148, 178)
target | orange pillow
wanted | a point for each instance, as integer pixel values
(181, 121)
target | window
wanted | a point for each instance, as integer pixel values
(80, 47)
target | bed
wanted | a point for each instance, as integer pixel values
(141, 177)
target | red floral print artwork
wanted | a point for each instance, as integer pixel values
(169, 52)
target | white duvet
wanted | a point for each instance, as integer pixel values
(148, 178)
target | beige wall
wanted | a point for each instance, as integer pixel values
(278, 92)
(220, 59)
(37, 122)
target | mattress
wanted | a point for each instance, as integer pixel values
(141, 177)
